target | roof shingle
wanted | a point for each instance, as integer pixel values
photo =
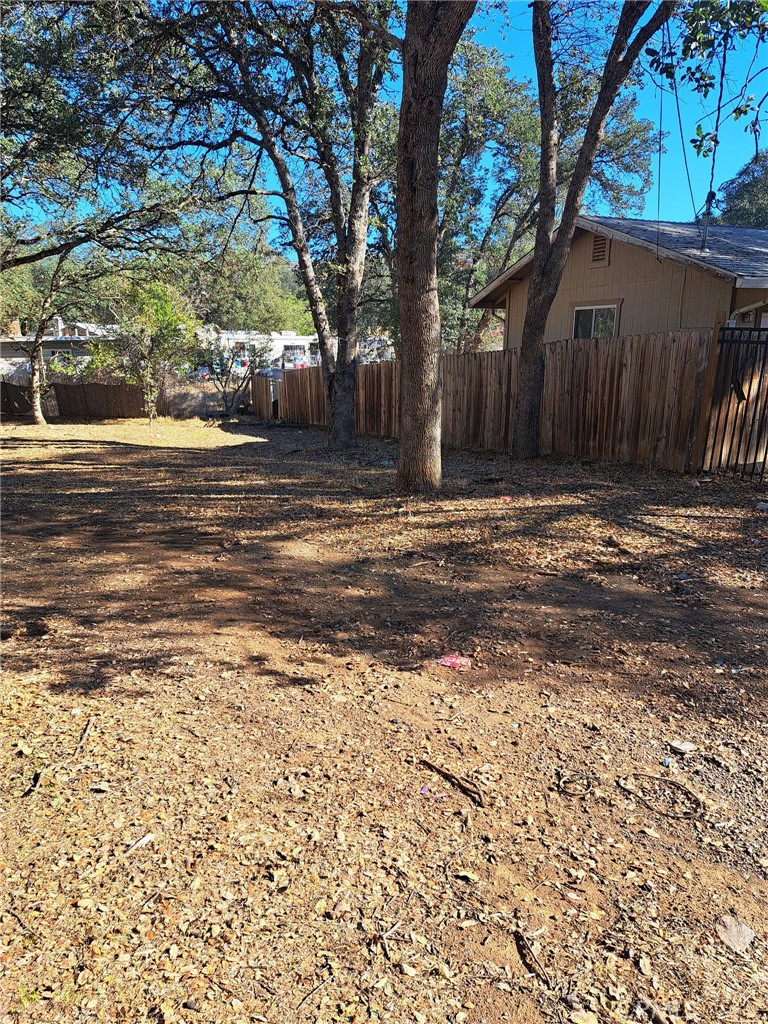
(737, 251)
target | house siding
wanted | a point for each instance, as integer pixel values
(651, 295)
(745, 297)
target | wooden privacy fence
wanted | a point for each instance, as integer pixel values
(479, 395)
(302, 397)
(261, 396)
(99, 401)
(377, 399)
(631, 399)
(479, 399)
(16, 400)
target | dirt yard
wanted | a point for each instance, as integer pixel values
(237, 786)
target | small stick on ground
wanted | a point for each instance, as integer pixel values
(25, 927)
(387, 935)
(312, 991)
(83, 737)
(37, 778)
(466, 786)
(521, 940)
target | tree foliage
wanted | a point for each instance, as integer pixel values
(744, 199)
(488, 187)
(157, 332)
(297, 83)
(243, 290)
(75, 168)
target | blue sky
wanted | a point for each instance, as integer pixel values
(511, 34)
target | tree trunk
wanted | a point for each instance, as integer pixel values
(526, 437)
(36, 378)
(432, 30)
(342, 430)
(551, 251)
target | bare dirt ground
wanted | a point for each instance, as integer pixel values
(222, 720)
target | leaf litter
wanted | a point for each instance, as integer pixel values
(244, 828)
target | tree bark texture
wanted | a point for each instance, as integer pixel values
(37, 367)
(432, 30)
(36, 379)
(552, 248)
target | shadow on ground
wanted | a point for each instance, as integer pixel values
(633, 580)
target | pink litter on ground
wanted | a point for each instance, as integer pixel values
(506, 497)
(455, 661)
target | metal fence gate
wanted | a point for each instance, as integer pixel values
(738, 423)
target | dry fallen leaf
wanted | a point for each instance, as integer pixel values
(583, 1017)
(734, 933)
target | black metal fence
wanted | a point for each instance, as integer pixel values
(738, 423)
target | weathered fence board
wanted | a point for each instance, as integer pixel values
(261, 397)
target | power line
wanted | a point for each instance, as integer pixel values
(682, 138)
(715, 140)
(719, 109)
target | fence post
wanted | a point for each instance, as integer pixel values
(697, 455)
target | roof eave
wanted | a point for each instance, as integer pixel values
(752, 282)
(493, 296)
(489, 297)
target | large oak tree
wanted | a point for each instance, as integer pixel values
(298, 83)
(432, 31)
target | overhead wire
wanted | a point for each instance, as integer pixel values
(719, 114)
(682, 138)
(714, 138)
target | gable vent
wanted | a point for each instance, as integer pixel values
(599, 249)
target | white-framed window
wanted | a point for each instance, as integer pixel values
(594, 322)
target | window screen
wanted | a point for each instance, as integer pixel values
(605, 322)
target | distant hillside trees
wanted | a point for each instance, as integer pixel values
(744, 199)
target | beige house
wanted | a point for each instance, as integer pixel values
(638, 277)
